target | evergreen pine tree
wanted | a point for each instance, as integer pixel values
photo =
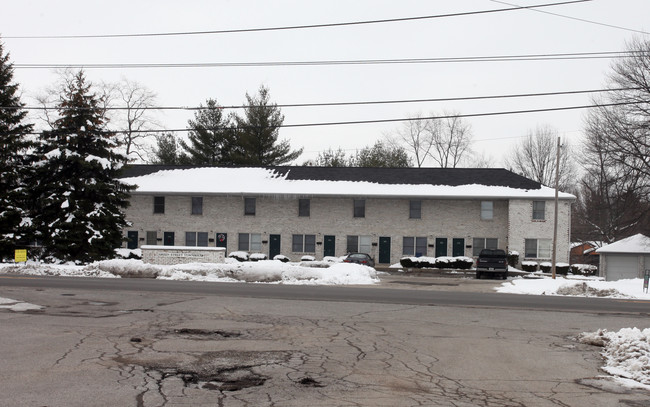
(15, 146)
(78, 196)
(258, 132)
(211, 137)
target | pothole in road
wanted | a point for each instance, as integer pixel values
(233, 379)
(206, 333)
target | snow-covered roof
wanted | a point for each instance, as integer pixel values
(634, 244)
(323, 181)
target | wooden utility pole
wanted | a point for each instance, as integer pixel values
(557, 181)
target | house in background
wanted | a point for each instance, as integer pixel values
(324, 211)
(585, 253)
(627, 258)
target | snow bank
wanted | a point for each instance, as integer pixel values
(262, 271)
(626, 352)
(575, 286)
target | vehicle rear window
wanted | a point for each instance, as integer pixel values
(492, 253)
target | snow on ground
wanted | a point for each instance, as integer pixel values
(626, 354)
(265, 271)
(575, 286)
(18, 306)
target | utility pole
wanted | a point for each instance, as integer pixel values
(557, 181)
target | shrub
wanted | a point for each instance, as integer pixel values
(584, 269)
(282, 258)
(562, 268)
(407, 262)
(307, 258)
(529, 266)
(545, 267)
(239, 256)
(257, 257)
(513, 259)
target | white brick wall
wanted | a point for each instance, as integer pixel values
(334, 216)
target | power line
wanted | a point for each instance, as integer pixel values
(297, 27)
(496, 58)
(375, 121)
(577, 19)
(350, 103)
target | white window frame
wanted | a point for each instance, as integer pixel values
(487, 210)
(537, 211)
(542, 248)
(303, 243)
(363, 244)
(253, 242)
(480, 243)
(422, 240)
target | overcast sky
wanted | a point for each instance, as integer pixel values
(519, 32)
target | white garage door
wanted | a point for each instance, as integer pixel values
(622, 266)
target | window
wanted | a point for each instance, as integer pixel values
(249, 206)
(303, 243)
(415, 209)
(360, 244)
(152, 237)
(539, 210)
(414, 246)
(359, 208)
(487, 210)
(303, 207)
(158, 204)
(481, 243)
(250, 242)
(538, 248)
(196, 239)
(197, 205)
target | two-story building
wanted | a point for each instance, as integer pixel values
(323, 211)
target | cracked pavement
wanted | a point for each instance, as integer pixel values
(88, 348)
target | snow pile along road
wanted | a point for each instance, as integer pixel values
(626, 353)
(266, 271)
(575, 286)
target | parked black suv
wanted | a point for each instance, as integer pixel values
(492, 261)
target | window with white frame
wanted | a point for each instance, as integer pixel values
(249, 206)
(487, 210)
(415, 209)
(197, 205)
(152, 237)
(304, 207)
(537, 248)
(481, 243)
(303, 243)
(359, 244)
(250, 242)
(414, 246)
(360, 208)
(196, 239)
(539, 210)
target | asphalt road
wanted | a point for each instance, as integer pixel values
(403, 342)
(455, 294)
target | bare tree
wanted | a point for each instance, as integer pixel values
(132, 116)
(445, 140)
(625, 124)
(535, 157)
(610, 203)
(451, 140)
(415, 137)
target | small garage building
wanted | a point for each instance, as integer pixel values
(625, 259)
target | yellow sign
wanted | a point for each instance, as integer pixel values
(20, 256)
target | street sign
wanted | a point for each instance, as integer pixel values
(20, 256)
(646, 278)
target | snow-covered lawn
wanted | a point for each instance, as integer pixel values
(575, 286)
